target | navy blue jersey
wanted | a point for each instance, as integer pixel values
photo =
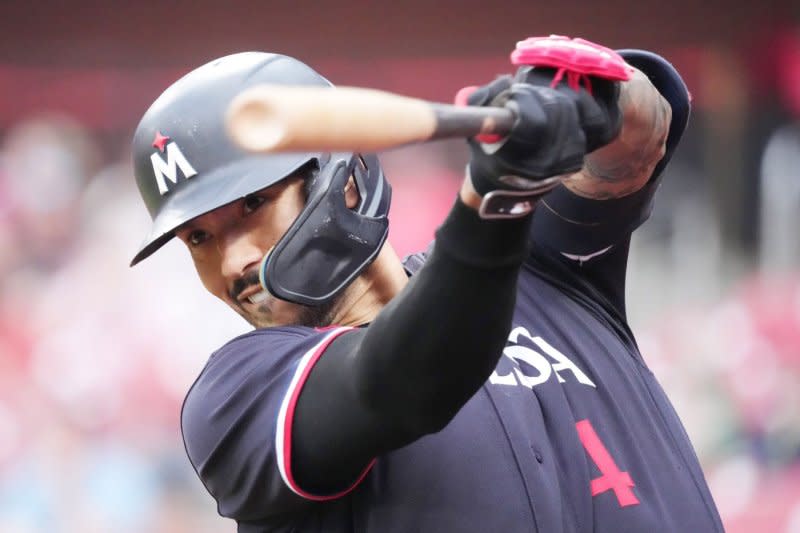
(571, 432)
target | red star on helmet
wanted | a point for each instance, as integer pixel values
(159, 141)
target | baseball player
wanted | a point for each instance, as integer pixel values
(490, 385)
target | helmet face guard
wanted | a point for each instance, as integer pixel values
(186, 166)
(329, 245)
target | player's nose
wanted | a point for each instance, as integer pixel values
(240, 251)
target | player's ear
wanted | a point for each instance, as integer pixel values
(351, 195)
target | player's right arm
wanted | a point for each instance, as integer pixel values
(437, 342)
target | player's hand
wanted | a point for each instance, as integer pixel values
(555, 128)
(598, 107)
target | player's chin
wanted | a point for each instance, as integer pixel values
(257, 315)
(259, 321)
(274, 312)
(271, 312)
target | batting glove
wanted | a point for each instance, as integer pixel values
(555, 127)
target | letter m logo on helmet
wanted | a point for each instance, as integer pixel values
(169, 169)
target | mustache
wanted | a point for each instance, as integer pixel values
(249, 279)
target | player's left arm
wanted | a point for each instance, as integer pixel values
(586, 222)
(626, 164)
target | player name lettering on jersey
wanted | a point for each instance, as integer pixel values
(541, 357)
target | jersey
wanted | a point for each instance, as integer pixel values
(571, 432)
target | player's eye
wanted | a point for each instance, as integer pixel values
(253, 202)
(197, 237)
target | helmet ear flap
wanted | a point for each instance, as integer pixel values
(329, 245)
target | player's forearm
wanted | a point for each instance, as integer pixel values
(435, 344)
(624, 166)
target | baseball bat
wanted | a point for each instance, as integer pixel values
(279, 118)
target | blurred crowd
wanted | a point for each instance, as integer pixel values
(94, 362)
(95, 357)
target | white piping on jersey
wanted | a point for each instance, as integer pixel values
(584, 258)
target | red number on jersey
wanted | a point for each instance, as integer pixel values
(612, 478)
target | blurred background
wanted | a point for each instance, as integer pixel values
(95, 357)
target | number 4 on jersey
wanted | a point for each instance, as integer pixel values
(612, 477)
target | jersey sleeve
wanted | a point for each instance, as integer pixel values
(237, 421)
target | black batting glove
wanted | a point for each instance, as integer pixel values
(546, 140)
(598, 109)
(555, 128)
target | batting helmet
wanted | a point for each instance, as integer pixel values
(186, 166)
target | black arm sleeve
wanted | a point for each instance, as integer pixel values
(428, 351)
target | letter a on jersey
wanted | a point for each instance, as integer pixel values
(169, 169)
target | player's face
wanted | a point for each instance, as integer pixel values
(227, 246)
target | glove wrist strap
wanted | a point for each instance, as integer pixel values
(503, 204)
(510, 203)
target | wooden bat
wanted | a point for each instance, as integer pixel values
(279, 118)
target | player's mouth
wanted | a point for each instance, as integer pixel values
(254, 294)
(258, 297)
(248, 289)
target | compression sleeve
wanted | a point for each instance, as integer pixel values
(427, 352)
